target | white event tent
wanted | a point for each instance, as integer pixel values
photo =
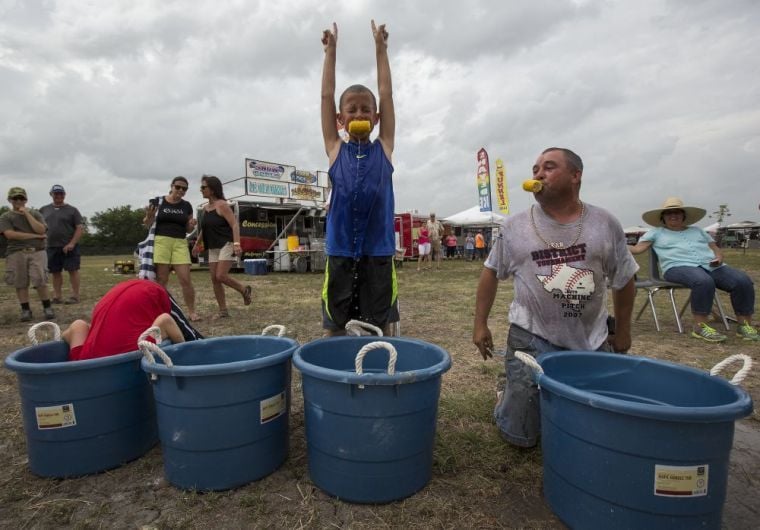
(474, 217)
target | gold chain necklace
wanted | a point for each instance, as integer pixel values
(558, 244)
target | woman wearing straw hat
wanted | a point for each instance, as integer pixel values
(688, 255)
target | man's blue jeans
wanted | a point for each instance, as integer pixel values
(518, 413)
(703, 284)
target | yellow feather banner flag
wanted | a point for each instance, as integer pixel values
(502, 193)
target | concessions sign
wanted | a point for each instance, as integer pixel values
(502, 194)
(484, 181)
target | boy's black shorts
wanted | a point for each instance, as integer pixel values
(363, 289)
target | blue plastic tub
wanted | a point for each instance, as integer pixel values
(223, 409)
(370, 437)
(82, 417)
(632, 442)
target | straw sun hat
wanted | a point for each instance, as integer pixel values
(692, 214)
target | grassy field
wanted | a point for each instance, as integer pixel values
(478, 480)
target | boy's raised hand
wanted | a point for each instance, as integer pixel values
(379, 33)
(330, 38)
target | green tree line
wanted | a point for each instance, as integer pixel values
(116, 230)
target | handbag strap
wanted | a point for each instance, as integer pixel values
(160, 201)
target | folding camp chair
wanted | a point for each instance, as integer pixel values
(655, 283)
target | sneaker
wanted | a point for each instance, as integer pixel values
(708, 334)
(26, 315)
(747, 332)
(49, 313)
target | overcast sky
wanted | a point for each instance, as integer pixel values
(113, 98)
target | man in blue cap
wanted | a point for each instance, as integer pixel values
(65, 228)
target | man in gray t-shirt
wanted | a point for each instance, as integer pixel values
(64, 231)
(562, 254)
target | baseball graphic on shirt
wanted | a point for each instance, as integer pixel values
(568, 280)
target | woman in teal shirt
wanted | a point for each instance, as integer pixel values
(688, 255)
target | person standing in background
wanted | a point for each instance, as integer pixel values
(220, 236)
(174, 220)
(451, 246)
(25, 259)
(423, 246)
(480, 245)
(435, 231)
(469, 247)
(65, 229)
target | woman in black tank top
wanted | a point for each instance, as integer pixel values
(220, 235)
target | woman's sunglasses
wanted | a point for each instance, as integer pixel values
(180, 188)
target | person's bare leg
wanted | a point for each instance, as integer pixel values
(43, 292)
(57, 285)
(188, 291)
(698, 320)
(76, 333)
(169, 328)
(218, 287)
(223, 276)
(162, 273)
(744, 319)
(22, 295)
(74, 280)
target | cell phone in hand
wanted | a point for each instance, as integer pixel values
(153, 202)
(715, 263)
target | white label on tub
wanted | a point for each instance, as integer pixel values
(273, 407)
(681, 481)
(56, 417)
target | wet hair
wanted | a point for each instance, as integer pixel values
(214, 184)
(356, 89)
(180, 178)
(571, 158)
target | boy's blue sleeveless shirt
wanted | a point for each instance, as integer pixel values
(360, 219)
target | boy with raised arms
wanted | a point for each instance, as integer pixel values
(360, 280)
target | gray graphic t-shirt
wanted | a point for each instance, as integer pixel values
(561, 294)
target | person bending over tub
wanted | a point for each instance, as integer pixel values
(118, 319)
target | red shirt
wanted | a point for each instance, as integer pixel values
(423, 236)
(119, 318)
(451, 241)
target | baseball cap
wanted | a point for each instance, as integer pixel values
(57, 188)
(16, 191)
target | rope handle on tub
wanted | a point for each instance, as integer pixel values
(32, 333)
(376, 346)
(529, 361)
(355, 328)
(148, 348)
(279, 327)
(743, 371)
